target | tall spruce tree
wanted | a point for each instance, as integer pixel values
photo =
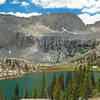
(67, 79)
(69, 92)
(5, 98)
(93, 78)
(75, 86)
(98, 84)
(83, 89)
(58, 93)
(25, 95)
(35, 92)
(51, 87)
(43, 86)
(90, 86)
(61, 80)
(1, 95)
(16, 92)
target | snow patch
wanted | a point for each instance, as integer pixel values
(64, 30)
(9, 52)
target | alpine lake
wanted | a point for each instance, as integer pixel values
(28, 81)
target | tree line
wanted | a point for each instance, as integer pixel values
(79, 85)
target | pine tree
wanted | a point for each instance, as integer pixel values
(1, 95)
(5, 98)
(25, 95)
(35, 92)
(75, 86)
(51, 87)
(69, 92)
(12, 98)
(83, 89)
(67, 79)
(90, 86)
(84, 69)
(58, 93)
(70, 76)
(98, 84)
(43, 86)
(54, 78)
(61, 80)
(75, 91)
(93, 79)
(80, 89)
(80, 68)
(16, 92)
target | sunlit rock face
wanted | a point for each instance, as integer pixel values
(45, 38)
(94, 27)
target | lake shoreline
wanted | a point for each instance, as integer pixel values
(57, 69)
(43, 70)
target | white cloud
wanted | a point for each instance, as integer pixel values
(91, 10)
(95, 7)
(64, 3)
(88, 19)
(25, 4)
(18, 14)
(88, 7)
(15, 2)
(36, 2)
(2, 1)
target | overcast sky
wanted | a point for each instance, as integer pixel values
(87, 10)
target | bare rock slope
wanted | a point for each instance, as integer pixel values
(44, 38)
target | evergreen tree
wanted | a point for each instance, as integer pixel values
(16, 92)
(58, 93)
(84, 69)
(75, 91)
(25, 95)
(70, 76)
(93, 79)
(1, 95)
(43, 86)
(5, 98)
(90, 86)
(12, 98)
(75, 86)
(35, 92)
(83, 89)
(61, 80)
(69, 92)
(51, 87)
(80, 68)
(54, 78)
(98, 84)
(67, 79)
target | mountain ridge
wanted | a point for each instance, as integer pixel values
(42, 38)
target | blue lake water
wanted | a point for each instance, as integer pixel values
(8, 86)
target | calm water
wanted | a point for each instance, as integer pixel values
(8, 86)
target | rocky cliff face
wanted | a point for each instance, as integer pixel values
(68, 21)
(36, 24)
(16, 67)
(94, 27)
(45, 38)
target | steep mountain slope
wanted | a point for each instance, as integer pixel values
(45, 38)
(68, 21)
(50, 22)
(94, 27)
